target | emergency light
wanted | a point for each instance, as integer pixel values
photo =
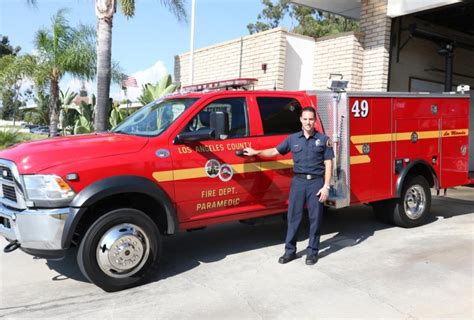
(239, 83)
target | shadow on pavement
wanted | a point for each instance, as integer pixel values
(187, 250)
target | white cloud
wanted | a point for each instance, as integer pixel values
(150, 75)
(75, 85)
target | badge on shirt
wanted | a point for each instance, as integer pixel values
(317, 142)
(329, 143)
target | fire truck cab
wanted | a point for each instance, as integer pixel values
(177, 164)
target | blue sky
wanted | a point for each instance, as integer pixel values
(144, 45)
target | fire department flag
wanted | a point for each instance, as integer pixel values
(128, 81)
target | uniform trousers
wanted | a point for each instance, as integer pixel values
(304, 192)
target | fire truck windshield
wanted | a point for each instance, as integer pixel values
(155, 117)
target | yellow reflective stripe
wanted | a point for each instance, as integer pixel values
(401, 136)
(162, 176)
(246, 167)
(359, 148)
(276, 165)
(383, 137)
(360, 159)
(183, 174)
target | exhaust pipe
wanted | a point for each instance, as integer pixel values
(12, 246)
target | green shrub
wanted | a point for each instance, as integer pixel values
(9, 138)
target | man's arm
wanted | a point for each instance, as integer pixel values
(327, 172)
(323, 193)
(267, 153)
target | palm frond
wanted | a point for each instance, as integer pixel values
(177, 8)
(127, 7)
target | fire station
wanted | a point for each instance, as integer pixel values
(177, 164)
(402, 46)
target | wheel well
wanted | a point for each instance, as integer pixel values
(139, 201)
(417, 168)
(421, 169)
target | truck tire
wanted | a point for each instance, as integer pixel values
(412, 209)
(120, 250)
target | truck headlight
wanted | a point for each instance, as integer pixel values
(49, 188)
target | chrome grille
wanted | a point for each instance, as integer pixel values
(9, 192)
(11, 187)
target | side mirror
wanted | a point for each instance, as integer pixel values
(220, 124)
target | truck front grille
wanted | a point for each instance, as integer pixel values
(9, 192)
(11, 188)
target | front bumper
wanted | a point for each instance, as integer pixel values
(35, 230)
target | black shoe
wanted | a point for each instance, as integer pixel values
(311, 259)
(287, 258)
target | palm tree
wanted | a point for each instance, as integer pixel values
(105, 10)
(63, 49)
(152, 92)
(13, 72)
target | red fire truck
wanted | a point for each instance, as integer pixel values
(177, 164)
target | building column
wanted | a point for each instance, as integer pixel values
(375, 25)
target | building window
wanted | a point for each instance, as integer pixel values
(279, 115)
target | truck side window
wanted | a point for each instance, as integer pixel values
(279, 115)
(238, 118)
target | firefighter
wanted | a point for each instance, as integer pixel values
(312, 157)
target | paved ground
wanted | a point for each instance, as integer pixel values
(367, 270)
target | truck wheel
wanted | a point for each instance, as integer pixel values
(413, 207)
(120, 250)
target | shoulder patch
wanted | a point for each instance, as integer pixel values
(329, 142)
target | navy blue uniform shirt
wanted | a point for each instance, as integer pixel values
(308, 154)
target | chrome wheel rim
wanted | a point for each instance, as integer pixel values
(415, 202)
(123, 250)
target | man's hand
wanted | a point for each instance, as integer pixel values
(250, 152)
(323, 194)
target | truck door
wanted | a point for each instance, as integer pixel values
(454, 142)
(211, 181)
(370, 148)
(279, 117)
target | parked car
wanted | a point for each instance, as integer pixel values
(30, 126)
(40, 130)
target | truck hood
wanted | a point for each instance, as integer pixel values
(33, 157)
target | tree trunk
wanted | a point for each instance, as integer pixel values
(54, 108)
(104, 12)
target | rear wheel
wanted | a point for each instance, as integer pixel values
(413, 207)
(120, 249)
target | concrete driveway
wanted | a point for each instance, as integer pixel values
(366, 270)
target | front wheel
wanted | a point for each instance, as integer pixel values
(120, 249)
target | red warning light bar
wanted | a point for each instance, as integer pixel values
(231, 84)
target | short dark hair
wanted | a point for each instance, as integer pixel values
(310, 109)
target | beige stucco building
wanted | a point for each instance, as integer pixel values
(401, 46)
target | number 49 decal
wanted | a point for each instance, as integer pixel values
(360, 109)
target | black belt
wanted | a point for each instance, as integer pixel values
(308, 176)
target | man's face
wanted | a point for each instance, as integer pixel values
(307, 120)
